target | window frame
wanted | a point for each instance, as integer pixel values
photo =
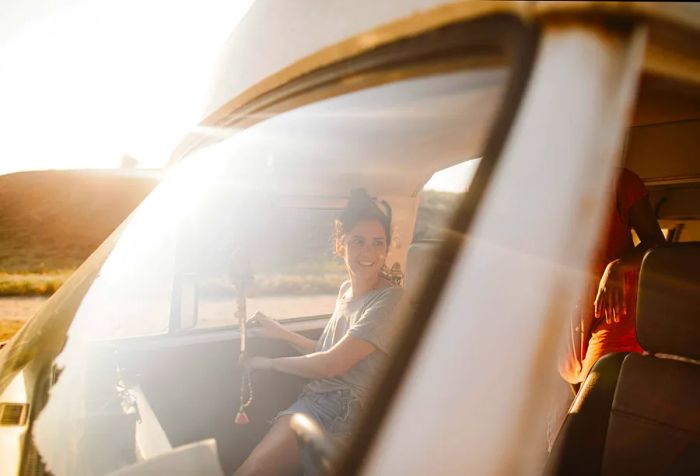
(504, 36)
(492, 40)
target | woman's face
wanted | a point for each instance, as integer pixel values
(364, 249)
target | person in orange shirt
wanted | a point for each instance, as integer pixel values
(606, 323)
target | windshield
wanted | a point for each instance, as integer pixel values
(249, 218)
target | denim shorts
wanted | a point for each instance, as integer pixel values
(336, 410)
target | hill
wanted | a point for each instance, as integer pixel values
(50, 221)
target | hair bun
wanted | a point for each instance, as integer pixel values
(359, 198)
(361, 207)
(387, 209)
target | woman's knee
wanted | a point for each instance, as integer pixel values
(275, 454)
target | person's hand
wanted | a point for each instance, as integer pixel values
(268, 327)
(251, 363)
(610, 301)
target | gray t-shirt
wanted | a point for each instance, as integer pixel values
(369, 317)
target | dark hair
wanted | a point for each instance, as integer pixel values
(362, 207)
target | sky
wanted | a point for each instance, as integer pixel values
(85, 82)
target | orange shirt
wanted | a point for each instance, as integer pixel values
(596, 336)
(628, 191)
(621, 336)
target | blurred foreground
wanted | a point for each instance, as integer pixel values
(15, 312)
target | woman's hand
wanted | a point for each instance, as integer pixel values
(611, 301)
(252, 363)
(268, 327)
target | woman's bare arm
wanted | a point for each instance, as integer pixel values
(272, 329)
(327, 364)
(300, 343)
(643, 221)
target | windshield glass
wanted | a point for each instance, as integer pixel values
(283, 262)
(253, 218)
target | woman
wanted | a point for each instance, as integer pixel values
(606, 324)
(352, 349)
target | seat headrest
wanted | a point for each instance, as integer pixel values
(419, 256)
(425, 257)
(668, 301)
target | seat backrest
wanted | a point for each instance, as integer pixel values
(655, 420)
(578, 449)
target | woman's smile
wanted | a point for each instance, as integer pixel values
(365, 249)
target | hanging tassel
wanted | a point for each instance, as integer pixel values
(246, 390)
(241, 417)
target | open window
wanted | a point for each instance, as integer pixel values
(250, 218)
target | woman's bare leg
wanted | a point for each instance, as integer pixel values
(276, 454)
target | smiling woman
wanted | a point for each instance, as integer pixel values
(73, 76)
(353, 348)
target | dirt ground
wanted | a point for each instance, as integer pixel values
(14, 312)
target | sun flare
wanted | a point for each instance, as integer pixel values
(84, 84)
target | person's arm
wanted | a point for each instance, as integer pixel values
(570, 360)
(335, 361)
(643, 220)
(274, 330)
(611, 289)
(303, 344)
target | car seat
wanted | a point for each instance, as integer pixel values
(640, 414)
